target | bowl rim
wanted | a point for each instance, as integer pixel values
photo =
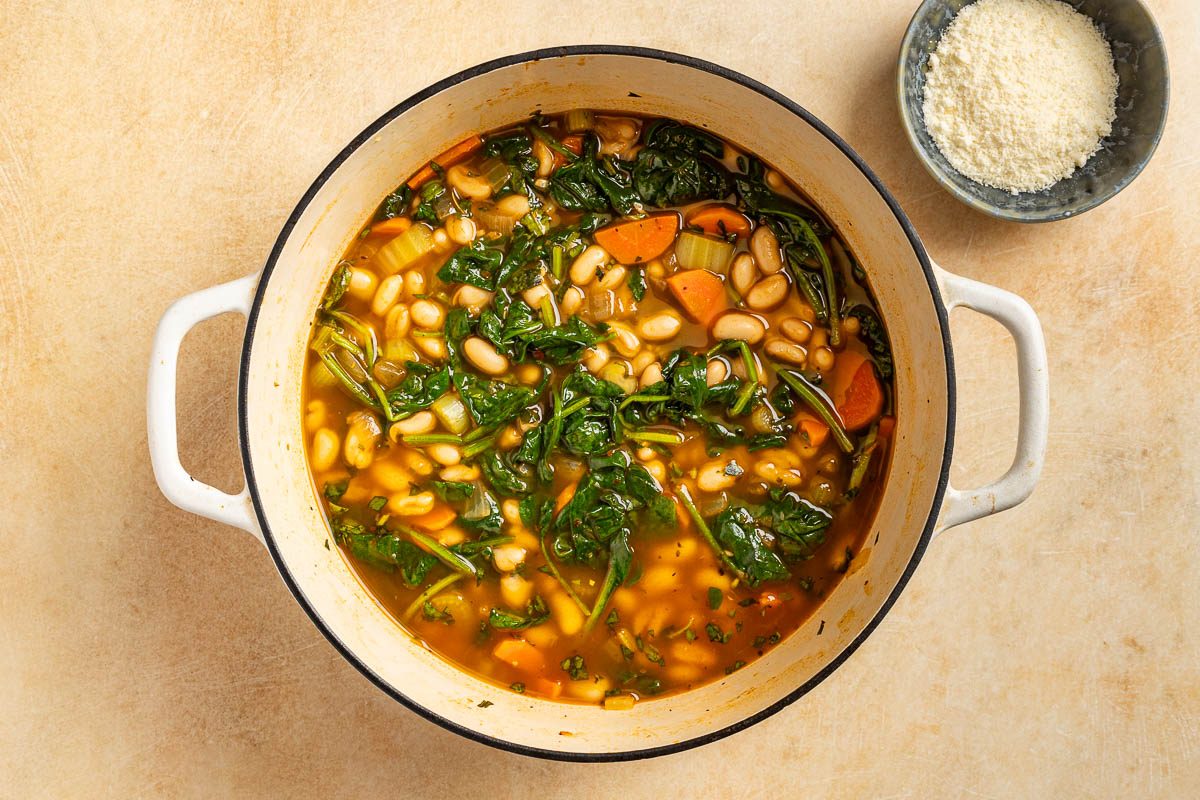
(939, 175)
(570, 51)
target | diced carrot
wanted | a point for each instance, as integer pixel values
(461, 151)
(857, 392)
(719, 219)
(814, 430)
(547, 687)
(887, 425)
(435, 520)
(574, 143)
(700, 293)
(636, 241)
(391, 227)
(520, 655)
(769, 601)
(564, 497)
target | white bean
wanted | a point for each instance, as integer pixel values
(515, 591)
(507, 557)
(613, 278)
(572, 300)
(484, 356)
(362, 283)
(472, 298)
(387, 294)
(432, 346)
(660, 327)
(461, 473)
(624, 340)
(534, 295)
(420, 422)
(445, 454)
(787, 351)
(513, 205)
(796, 329)
(651, 375)
(743, 273)
(642, 360)
(412, 505)
(544, 157)
(765, 247)
(468, 182)
(822, 359)
(461, 229)
(738, 325)
(414, 282)
(712, 477)
(583, 268)
(324, 450)
(716, 371)
(595, 358)
(427, 314)
(768, 293)
(396, 325)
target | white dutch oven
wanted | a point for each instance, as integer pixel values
(279, 504)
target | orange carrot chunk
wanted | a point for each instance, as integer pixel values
(435, 520)
(564, 497)
(719, 219)
(391, 227)
(460, 152)
(700, 294)
(862, 402)
(814, 430)
(636, 241)
(520, 655)
(549, 688)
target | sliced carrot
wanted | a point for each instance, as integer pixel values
(887, 425)
(391, 227)
(461, 151)
(574, 143)
(815, 431)
(435, 520)
(857, 392)
(719, 219)
(700, 293)
(769, 601)
(520, 655)
(564, 497)
(636, 241)
(547, 687)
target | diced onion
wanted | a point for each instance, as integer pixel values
(320, 377)
(405, 249)
(477, 505)
(452, 413)
(580, 120)
(697, 251)
(399, 350)
(617, 372)
(492, 220)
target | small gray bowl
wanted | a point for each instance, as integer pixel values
(1141, 64)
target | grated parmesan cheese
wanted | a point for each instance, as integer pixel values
(1019, 93)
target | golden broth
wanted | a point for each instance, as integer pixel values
(686, 612)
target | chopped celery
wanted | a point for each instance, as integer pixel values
(496, 173)
(452, 413)
(405, 249)
(697, 251)
(580, 120)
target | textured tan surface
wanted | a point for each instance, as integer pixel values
(145, 153)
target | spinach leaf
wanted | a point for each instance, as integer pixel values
(593, 183)
(395, 204)
(422, 385)
(535, 614)
(737, 532)
(339, 282)
(620, 558)
(876, 338)
(679, 164)
(798, 524)
(516, 150)
(475, 263)
(637, 283)
(491, 403)
(453, 491)
(489, 523)
(507, 478)
(388, 552)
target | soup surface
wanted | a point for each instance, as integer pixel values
(598, 407)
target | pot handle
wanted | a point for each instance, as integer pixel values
(176, 484)
(965, 505)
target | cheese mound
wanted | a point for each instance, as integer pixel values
(1019, 93)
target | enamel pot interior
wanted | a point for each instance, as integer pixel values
(491, 96)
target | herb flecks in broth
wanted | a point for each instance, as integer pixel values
(599, 407)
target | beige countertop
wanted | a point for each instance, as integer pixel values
(1053, 650)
